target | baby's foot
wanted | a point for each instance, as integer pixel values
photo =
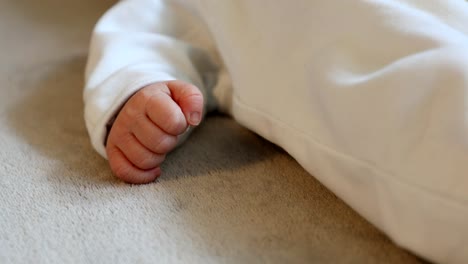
(148, 126)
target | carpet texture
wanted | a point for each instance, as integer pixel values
(227, 196)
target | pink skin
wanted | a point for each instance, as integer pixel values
(148, 126)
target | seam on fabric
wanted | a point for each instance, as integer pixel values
(378, 171)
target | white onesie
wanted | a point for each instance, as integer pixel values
(369, 96)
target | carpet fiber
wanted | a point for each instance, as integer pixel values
(226, 196)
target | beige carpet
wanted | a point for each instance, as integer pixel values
(227, 196)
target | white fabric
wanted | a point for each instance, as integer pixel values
(370, 96)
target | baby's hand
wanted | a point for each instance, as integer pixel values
(148, 126)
